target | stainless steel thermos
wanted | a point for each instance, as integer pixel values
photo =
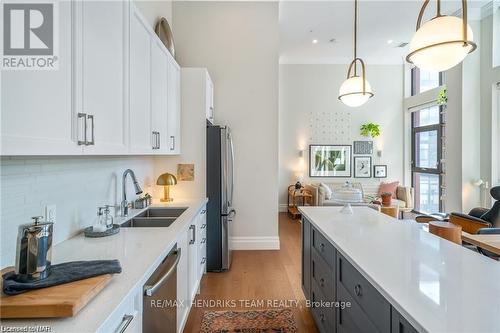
(34, 250)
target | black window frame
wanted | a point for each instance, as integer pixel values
(415, 80)
(439, 168)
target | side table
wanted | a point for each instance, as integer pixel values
(294, 196)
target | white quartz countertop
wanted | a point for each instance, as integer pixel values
(437, 285)
(139, 250)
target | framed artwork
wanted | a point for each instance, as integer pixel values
(185, 172)
(363, 147)
(330, 160)
(362, 166)
(380, 171)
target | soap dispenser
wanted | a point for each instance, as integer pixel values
(34, 250)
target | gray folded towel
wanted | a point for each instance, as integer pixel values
(62, 273)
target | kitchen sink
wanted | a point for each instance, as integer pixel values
(154, 217)
(162, 212)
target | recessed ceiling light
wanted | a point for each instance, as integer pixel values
(315, 41)
(390, 41)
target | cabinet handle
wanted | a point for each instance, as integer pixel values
(92, 142)
(124, 324)
(322, 282)
(84, 116)
(203, 240)
(193, 228)
(322, 317)
(357, 290)
(203, 226)
(172, 147)
(203, 211)
(159, 141)
(204, 260)
(322, 247)
(156, 140)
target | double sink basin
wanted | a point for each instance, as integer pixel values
(154, 217)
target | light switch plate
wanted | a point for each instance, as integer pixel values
(50, 213)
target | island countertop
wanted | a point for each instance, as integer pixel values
(437, 285)
(139, 250)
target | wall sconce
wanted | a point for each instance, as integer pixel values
(379, 153)
(301, 153)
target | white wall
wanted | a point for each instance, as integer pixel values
(305, 88)
(76, 185)
(238, 42)
(489, 77)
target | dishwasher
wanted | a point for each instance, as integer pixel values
(160, 296)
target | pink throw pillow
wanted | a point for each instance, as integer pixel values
(388, 187)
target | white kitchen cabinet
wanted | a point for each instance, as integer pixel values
(100, 76)
(182, 280)
(174, 107)
(141, 137)
(202, 245)
(37, 112)
(209, 97)
(159, 96)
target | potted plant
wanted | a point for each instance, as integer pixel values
(386, 198)
(442, 98)
(370, 129)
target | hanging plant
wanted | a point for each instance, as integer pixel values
(370, 129)
(442, 98)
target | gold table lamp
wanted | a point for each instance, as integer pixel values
(166, 180)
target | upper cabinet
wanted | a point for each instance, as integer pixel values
(174, 108)
(116, 92)
(209, 87)
(100, 80)
(37, 112)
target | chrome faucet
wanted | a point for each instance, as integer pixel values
(138, 190)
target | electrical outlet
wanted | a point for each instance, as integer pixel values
(50, 213)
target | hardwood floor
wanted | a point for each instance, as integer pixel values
(258, 276)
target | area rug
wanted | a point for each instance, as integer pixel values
(262, 321)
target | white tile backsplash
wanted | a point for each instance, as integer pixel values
(76, 185)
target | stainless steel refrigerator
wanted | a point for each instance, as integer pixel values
(220, 191)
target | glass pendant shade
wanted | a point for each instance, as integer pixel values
(351, 91)
(438, 45)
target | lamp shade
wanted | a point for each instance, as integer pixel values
(351, 91)
(438, 45)
(166, 179)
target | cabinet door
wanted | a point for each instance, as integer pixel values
(193, 259)
(182, 281)
(159, 96)
(202, 247)
(141, 138)
(209, 99)
(37, 114)
(174, 108)
(306, 258)
(101, 74)
(400, 324)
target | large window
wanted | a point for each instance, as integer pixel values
(422, 80)
(426, 159)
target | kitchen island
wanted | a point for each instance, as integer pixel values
(396, 276)
(140, 251)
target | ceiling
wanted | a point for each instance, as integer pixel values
(379, 22)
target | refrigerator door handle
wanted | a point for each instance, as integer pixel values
(231, 161)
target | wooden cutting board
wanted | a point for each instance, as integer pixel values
(64, 300)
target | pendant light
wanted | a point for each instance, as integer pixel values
(355, 90)
(442, 42)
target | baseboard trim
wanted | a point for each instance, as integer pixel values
(255, 243)
(283, 208)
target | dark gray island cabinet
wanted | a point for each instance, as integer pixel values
(340, 298)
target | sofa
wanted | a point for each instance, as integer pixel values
(404, 196)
